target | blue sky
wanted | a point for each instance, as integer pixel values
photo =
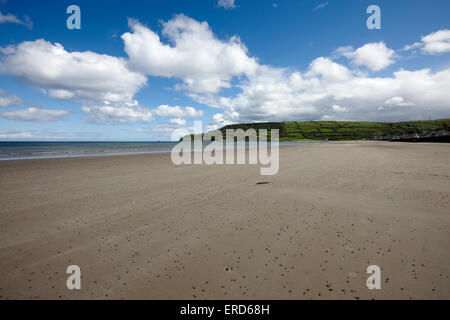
(251, 61)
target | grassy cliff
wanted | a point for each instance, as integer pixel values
(339, 130)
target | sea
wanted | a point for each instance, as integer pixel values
(10, 150)
(45, 150)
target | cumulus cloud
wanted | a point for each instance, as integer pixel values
(34, 114)
(338, 108)
(71, 75)
(227, 4)
(327, 69)
(178, 121)
(172, 130)
(375, 56)
(203, 62)
(433, 43)
(176, 111)
(397, 102)
(332, 91)
(126, 112)
(117, 113)
(437, 42)
(10, 18)
(9, 100)
(275, 94)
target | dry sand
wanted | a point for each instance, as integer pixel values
(140, 227)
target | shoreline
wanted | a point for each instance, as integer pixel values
(95, 155)
(282, 144)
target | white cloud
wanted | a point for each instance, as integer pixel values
(321, 6)
(328, 69)
(375, 56)
(433, 43)
(34, 114)
(203, 62)
(45, 135)
(219, 119)
(10, 18)
(279, 95)
(15, 135)
(178, 121)
(117, 113)
(9, 100)
(71, 75)
(126, 112)
(413, 46)
(397, 102)
(172, 130)
(61, 94)
(227, 4)
(338, 108)
(176, 111)
(436, 42)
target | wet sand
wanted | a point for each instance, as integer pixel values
(141, 227)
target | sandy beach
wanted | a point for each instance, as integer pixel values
(140, 227)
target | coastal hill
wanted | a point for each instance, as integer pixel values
(431, 130)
